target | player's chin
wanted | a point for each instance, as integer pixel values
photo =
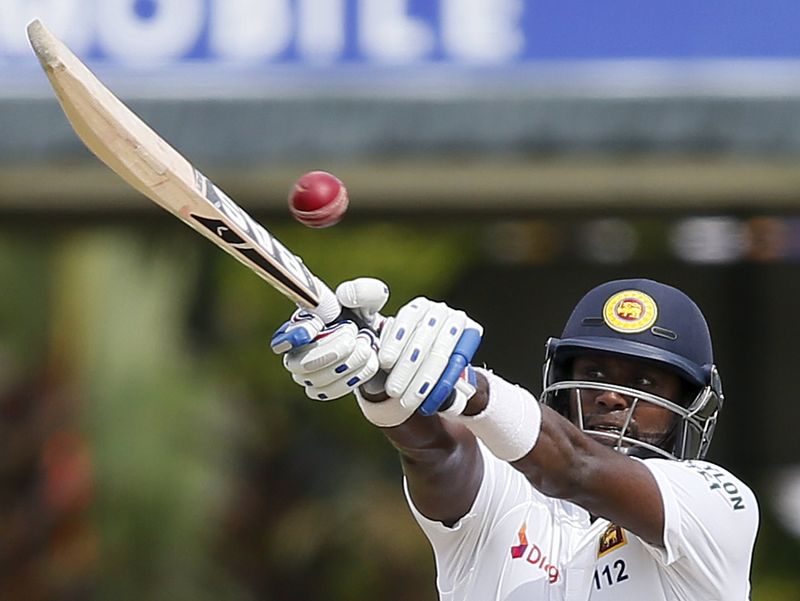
(610, 439)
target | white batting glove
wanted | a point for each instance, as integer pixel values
(426, 350)
(331, 361)
(341, 358)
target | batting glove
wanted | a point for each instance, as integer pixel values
(426, 350)
(331, 361)
(341, 358)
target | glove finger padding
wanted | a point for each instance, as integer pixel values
(330, 347)
(362, 365)
(416, 348)
(422, 335)
(357, 352)
(437, 356)
(397, 331)
(340, 358)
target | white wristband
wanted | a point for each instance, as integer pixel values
(511, 422)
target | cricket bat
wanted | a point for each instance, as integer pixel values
(142, 158)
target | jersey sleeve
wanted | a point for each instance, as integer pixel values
(710, 520)
(503, 491)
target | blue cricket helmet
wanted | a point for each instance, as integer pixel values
(645, 320)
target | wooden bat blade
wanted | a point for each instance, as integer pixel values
(136, 153)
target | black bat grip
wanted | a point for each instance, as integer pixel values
(350, 315)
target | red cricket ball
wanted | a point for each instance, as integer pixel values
(318, 199)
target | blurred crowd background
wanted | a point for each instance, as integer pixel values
(502, 155)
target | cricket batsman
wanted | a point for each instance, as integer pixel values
(597, 491)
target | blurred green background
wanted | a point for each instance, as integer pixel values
(151, 445)
(153, 448)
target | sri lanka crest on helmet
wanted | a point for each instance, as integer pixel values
(630, 311)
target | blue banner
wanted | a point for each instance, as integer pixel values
(261, 33)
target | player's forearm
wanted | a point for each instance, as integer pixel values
(560, 463)
(433, 449)
(442, 465)
(440, 459)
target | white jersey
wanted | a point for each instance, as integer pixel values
(516, 544)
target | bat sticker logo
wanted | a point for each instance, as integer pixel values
(258, 246)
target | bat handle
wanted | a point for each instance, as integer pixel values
(356, 317)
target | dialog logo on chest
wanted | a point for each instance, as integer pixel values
(534, 555)
(612, 538)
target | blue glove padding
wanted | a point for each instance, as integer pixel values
(462, 354)
(424, 349)
(284, 340)
(300, 330)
